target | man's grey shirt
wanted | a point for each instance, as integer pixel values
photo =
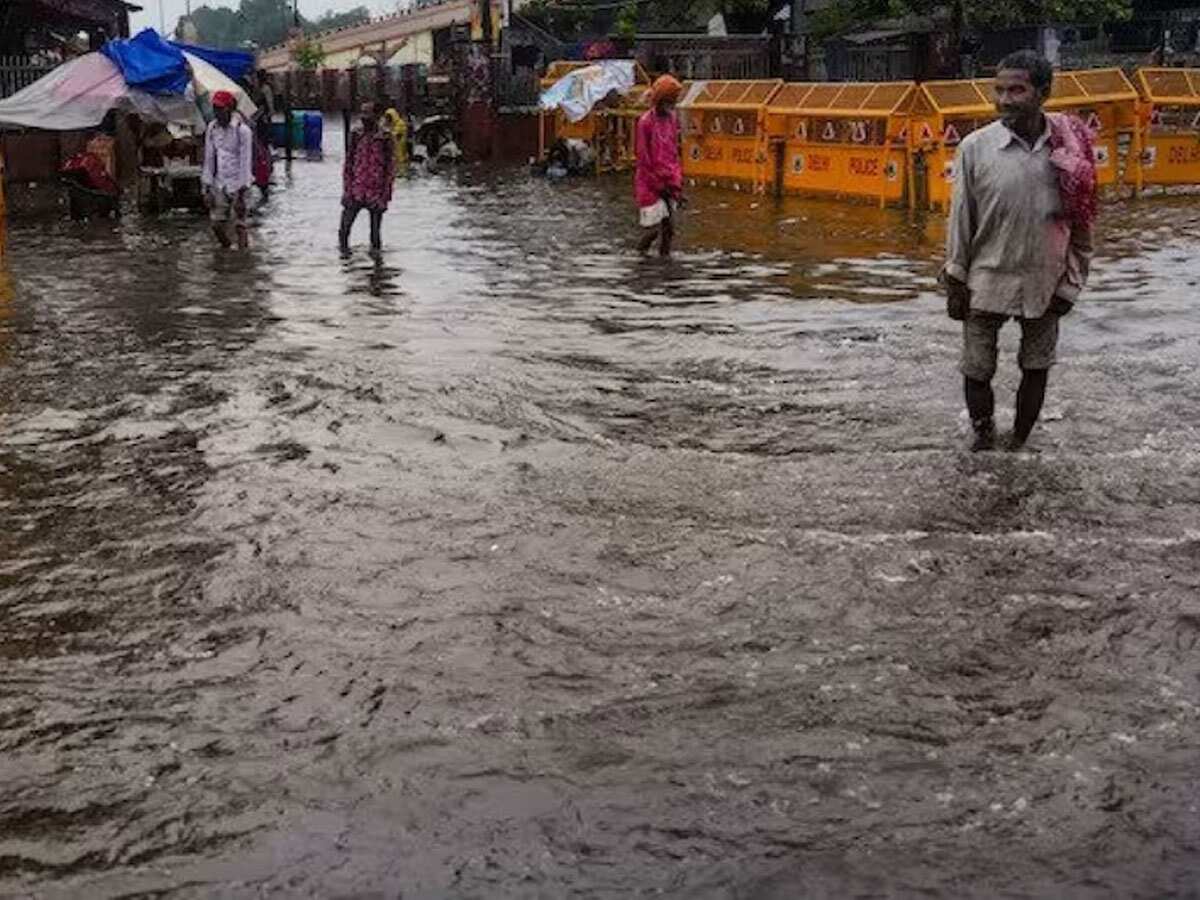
(1008, 239)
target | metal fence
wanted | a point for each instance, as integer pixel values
(693, 57)
(17, 72)
(516, 89)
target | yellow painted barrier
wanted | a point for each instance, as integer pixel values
(1104, 98)
(616, 138)
(894, 142)
(846, 139)
(608, 130)
(1168, 139)
(725, 139)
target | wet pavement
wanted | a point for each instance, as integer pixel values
(516, 567)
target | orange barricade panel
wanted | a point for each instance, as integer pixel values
(1170, 127)
(845, 139)
(724, 131)
(1104, 98)
(611, 141)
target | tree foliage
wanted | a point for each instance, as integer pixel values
(262, 23)
(573, 20)
(976, 15)
(308, 55)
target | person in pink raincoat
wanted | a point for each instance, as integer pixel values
(658, 184)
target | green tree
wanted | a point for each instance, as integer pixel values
(565, 21)
(746, 16)
(308, 55)
(627, 21)
(576, 19)
(979, 15)
(263, 23)
(331, 20)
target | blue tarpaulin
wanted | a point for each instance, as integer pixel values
(234, 63)
(149, 63)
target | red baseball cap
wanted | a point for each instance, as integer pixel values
(223, 99)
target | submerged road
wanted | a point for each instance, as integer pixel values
(517, 567)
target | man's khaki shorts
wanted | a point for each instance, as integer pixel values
(224, 208)
(1039, 344)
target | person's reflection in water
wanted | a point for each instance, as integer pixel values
(374, 278)
(381, 280)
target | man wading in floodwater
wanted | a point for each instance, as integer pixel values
(228, 171)
(1020, 239)
(658, 185)
(367, 178)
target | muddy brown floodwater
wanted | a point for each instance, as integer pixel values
(515, 567)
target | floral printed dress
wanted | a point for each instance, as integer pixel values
(370, 171)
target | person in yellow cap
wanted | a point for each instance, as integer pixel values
(658, 183)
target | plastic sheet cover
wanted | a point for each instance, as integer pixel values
(208, 80)
(79, 93)
(149, 63)
(577, 92)
(234, 64)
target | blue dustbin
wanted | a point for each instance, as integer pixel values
(314, 128)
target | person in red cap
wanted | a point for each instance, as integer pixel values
(228, 169)
(658, 184)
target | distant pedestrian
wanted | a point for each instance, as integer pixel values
(264, 99)
(367, 177)
(658, 184)
(1020, 239)
(397, 123)
(228, 169)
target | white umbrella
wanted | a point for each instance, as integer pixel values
(209, 79)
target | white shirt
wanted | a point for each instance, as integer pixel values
(228, 156)
(1007, 238)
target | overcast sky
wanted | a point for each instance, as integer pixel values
(311, 9)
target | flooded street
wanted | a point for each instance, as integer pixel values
(518, 567)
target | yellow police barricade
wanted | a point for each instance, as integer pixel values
(847, 140)
(608, 130)
(555, 125)
(616, 133)
(1104, 98)
(725, 134)
(1168, 139)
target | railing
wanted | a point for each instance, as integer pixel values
(702, 58)
(518, 89)
(17, 72)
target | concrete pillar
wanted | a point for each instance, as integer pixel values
(477, 109)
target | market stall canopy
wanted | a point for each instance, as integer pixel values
(78, 95)
(208, 80)
(149, 63)
(579, 90)
(234, 64)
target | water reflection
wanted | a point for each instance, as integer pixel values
(446, 530)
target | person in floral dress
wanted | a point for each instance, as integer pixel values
(367, 178)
